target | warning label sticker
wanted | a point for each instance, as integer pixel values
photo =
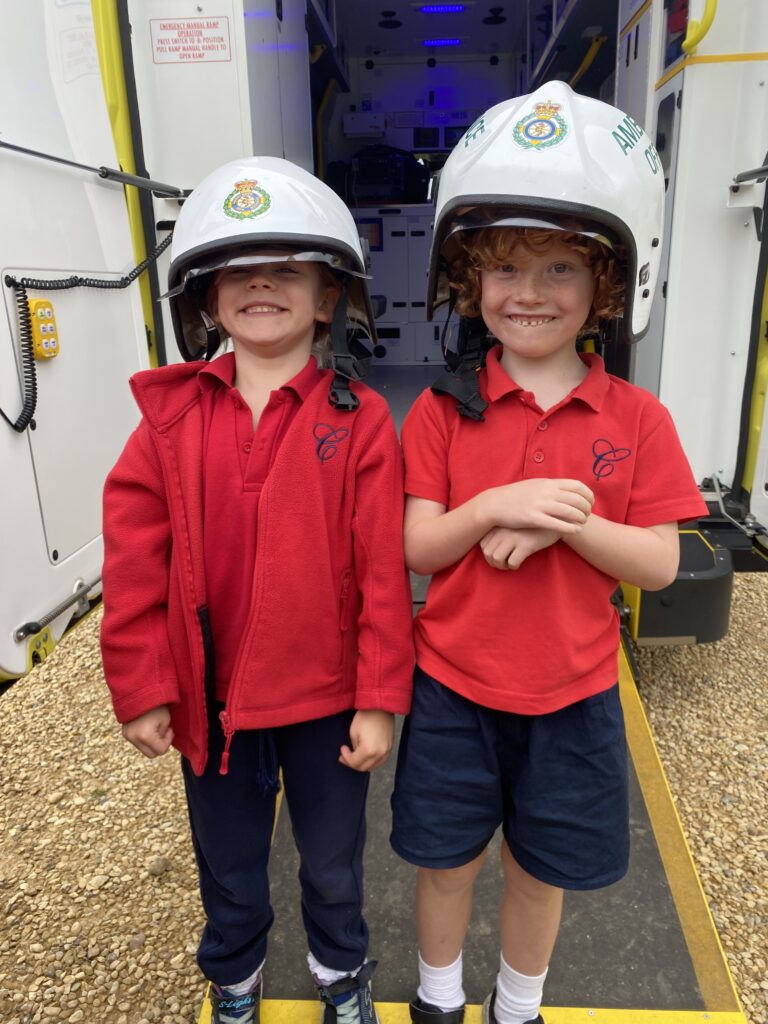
(190, 40)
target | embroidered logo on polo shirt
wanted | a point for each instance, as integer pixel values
(606, 457)
(328, 440)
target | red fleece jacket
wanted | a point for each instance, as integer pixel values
(330, 617)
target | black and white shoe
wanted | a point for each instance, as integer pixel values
(349, 1001)
(227, 1008)
(426, 1013)
(489, 1006)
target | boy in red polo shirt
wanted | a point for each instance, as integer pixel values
(257, 614)
(535, 481)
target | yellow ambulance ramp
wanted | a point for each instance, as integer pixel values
(645, 950)
(276, 1011)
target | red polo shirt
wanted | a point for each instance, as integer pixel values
(236, 463)
(545, 636)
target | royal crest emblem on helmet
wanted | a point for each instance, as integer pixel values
(541, 129)
(247, 200)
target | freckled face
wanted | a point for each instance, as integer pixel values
(272, 307)
(537, 303)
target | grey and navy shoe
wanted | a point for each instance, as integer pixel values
(490, 1004)
(349, 1001)
(426, 1013)
(230, 1009)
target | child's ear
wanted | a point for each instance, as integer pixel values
(327, 303)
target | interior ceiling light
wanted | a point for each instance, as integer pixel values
(389, 20)
(441, 42)
(495, 18)
(441, 8)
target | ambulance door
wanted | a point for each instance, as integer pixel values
(58, 220)
(647, 354)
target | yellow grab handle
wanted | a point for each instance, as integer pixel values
(698, 29)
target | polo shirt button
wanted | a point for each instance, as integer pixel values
(236, 403)
(538, 456)
(544, 425)
(247, 447)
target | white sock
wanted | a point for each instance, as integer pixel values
(327, 975)
(441, 986)
(518, 996)
(242, 988)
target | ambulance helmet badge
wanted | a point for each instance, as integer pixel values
(247, 200)
(541, 129)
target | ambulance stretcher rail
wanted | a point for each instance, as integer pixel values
(754, 175)
(158, 187)
(31, 628)
(751, 527)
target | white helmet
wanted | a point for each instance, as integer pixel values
(552, 156)
(257, 202)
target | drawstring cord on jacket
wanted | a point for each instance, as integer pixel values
(267, 780)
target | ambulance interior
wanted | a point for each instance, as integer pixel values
(387, 94)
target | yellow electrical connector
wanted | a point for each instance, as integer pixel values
(45, 336)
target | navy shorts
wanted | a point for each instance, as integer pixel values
(556, 783)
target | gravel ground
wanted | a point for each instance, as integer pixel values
(708, 710)
(98, 906)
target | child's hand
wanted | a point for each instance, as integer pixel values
(541, 503)
(150, 733)
(371, 735)
(508, 549)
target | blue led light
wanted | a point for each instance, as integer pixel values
(441, 42)
(441, 8)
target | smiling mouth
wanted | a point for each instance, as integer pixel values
(261, 309)
(530, 321)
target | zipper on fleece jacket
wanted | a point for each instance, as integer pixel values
(229, 732)
(224, 716)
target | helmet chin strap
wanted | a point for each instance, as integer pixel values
(212, 336)
(349, 360)
(460, 379)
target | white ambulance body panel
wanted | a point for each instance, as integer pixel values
(711, 109)
(58, 221)
(713, 254)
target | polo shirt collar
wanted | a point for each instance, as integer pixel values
(591, 391)
(222, 370)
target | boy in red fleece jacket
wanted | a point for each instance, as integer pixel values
(257, 614)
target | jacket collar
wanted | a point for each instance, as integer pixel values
(166, 393)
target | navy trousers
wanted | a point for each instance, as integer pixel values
(232, 822)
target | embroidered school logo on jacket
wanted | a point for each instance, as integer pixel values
(606, 457)
(328, 440)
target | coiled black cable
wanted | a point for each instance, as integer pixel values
(28, 368)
